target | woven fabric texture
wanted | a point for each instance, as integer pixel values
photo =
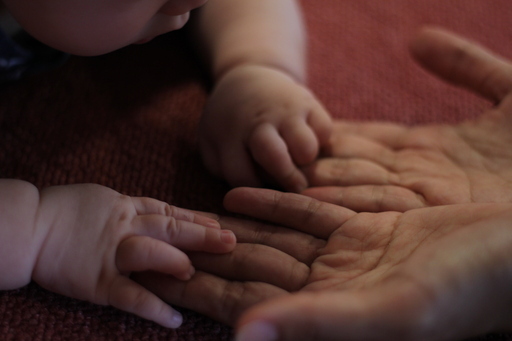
(127, 120)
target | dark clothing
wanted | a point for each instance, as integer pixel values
(22, 55)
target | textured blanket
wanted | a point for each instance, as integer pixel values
(127, 120)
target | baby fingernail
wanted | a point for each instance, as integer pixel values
(257, 331)
(213, 224)
(176, 320)
(227, 237)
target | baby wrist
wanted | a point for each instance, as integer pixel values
(298, 77)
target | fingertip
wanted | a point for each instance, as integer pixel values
(270, 151)
(322, 124)
(237, 195)
(295, 182)
(187, 273)
(212, 223)
(225, 242)
(227, 237)
(174, 321)
(191, 272)
(168, 317)
(231, 197)
(421, 44)
(131, 297)
(301, 141)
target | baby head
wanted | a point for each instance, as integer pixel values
(94, 27)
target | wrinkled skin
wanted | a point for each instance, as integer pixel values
(427, 274)
(260, 125)
(384, 166)
(318, 271)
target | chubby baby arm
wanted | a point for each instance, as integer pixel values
(20, 241)
(89, 239)
(261, 118)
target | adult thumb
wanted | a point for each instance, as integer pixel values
(463, 63)
(333, 315)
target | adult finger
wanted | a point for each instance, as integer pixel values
(256, 263)
(131, 297)
(141, 253)
(146, 206)
(348, 172)
(271, 152)
(289, 209)
(387, 134)
(183, 234)
(217, 298)
(368, 198)
(351, 146)
(301, 246)
(463, 63)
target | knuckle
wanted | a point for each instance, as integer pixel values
(124, 207)
(169, 210)
(138, 302)
(233, 293)
(378, 198)
(263, 235)
(172, 229)
(312, 209)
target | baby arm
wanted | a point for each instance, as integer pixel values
(260, 112)
(83, 241)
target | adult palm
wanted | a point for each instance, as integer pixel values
(384, 166)
(439, 273)
(325, 272)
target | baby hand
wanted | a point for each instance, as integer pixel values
(260, 117)
(95, 237)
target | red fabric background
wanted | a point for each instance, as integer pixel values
(127, 120)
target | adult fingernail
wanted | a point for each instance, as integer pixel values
(227, 237)
(257, 331)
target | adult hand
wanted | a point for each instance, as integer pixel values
(433, 273)
(268, 261)
(386, 166)
(439, 273)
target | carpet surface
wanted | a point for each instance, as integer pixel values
(127, 120)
